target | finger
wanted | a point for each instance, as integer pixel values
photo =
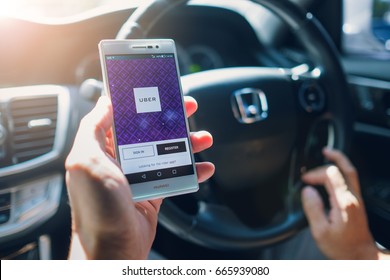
(200, 141)
(320, 176)
(315, 176)
(101, 114)
(329, 177)
(204, 170)
(314, 210)
(98, 122)
(335, 178)
(149, 208)
(191, 105)
(91, 136)
(156, 203)
(346, 168)
(337, 189)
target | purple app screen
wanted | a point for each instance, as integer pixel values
(146, 98)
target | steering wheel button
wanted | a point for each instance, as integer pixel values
(312, 98)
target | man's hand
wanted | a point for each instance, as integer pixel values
(105, 220)
(342, 233)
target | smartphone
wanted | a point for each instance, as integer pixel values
(150, 125)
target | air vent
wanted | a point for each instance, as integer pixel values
(34, 122)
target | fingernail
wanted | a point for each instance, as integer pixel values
(327, 149)
(307, 192)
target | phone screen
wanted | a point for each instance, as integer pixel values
(149, 118)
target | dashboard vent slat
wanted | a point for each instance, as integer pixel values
(34, 126)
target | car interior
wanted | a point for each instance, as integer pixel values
(322, 68)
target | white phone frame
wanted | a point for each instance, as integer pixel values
(164, 187)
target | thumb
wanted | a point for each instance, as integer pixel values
(314, 210)
(92, 131)
(100, 117)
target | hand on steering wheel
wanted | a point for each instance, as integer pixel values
(343, 233)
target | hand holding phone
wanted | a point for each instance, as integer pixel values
(100, 197)
(150, 127)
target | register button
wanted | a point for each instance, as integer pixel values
(171, 148)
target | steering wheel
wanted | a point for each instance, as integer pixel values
(268, 124)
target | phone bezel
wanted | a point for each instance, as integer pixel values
(164, 187)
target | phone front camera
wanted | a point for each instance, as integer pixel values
(157, 47)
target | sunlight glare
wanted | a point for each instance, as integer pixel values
(57, 8)
(7, 7)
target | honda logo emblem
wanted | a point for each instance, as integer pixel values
(249, 105)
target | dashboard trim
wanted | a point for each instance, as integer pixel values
(371, 129)
(368, 82)
(371, 83)
(23, 217)
(63, 116)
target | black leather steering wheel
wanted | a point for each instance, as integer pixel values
(269, 125)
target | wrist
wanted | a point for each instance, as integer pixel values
(115, 249)
(103, 248)
(369, 252)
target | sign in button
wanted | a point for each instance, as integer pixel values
(171, 148)
(138, 152)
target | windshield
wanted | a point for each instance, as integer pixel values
(367, 27)
(58, 8)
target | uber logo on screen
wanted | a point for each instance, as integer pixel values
(147, 100)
